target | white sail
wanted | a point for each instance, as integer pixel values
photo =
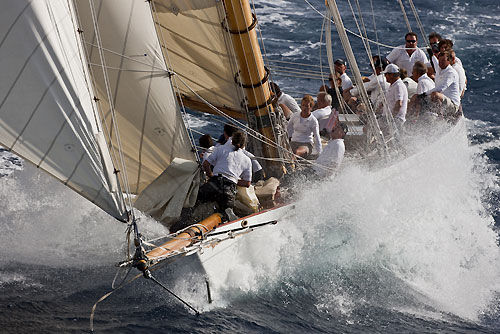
(200, 52)
(47, 114)
(151, 129)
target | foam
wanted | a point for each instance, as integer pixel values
(417, 230)
(46, 223)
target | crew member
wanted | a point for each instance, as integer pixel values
(231, 168)
(303, 129)
(332, 155)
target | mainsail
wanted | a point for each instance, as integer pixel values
(199, 49)
(45, 85)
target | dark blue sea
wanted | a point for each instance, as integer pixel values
(411, 248)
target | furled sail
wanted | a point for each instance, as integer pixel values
(199, 50)
(47, 114)
(151, 128)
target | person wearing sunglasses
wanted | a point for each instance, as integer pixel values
(406, 55)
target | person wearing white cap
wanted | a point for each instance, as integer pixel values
(397, 94)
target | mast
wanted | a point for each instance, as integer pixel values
(253, 75)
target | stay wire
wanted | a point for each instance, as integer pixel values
(404, 15)
(375, 29)
(151, 277)
(389, 118)
(358, 35)
(419, 23)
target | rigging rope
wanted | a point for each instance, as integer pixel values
(345, 108)
(404, 15)
(419, 23)
(358, 35)
(375, 29)
(355, 70)
(151, 277)
(388, 115)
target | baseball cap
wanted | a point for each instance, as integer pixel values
(339, 62)
(391, 68)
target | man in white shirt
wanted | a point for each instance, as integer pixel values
(411, 85)
(424, 85)
(324, 104)
(285, 101)
(339, 66)
(397, 95)
(333, 154)
(257, 171)
(231, 168)
(376, 83)
(303, 129)
(406, 55)
(462, 79)
(444, 45)
(207, 145)
(446, 94)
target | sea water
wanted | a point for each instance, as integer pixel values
(409, 248)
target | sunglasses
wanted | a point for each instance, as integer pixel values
(411, 41)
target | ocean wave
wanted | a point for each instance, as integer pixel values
(415, 235)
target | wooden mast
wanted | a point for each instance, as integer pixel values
(253, 76)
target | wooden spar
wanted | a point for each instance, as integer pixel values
(253, 75)
(187, 238)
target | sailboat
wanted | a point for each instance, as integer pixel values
(93, 93)
(87, 96)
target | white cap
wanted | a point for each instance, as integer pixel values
(391, 68)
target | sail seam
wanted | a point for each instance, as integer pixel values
(23, 68)
(14, 24)
(142, 130)
(75, 168)
(173, 81)
(112, 110)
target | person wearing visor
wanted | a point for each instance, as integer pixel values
(406, 55)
